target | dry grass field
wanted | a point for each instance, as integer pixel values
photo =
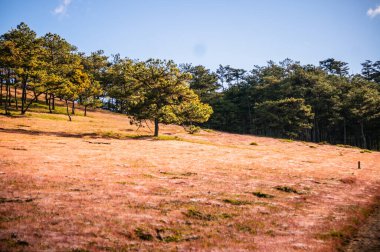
(100, 184)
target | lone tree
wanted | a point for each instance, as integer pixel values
(162, 94)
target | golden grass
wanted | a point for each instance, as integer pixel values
(98, 183)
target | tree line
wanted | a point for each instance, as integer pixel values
(145, 90)
(322, 103)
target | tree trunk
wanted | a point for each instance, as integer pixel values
(53, 99)
(46, 99)
(23, 97)
(156, 127)
(1, 91)
(67, 110)
(249, 118)
(9, 95)
(50, 104)
(344, 131)
(85, 110)
(363, 136)
(6, 101)
(16, 98)
(35, 95)
(73, 108)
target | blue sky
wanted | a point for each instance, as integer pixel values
(241, 33)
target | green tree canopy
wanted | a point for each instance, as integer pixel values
(162, 94)
(289, 117)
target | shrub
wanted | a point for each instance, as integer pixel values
(192, 129)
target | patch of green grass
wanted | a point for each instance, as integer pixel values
(323, 143)
(167, 138)
(168, 235)
(285, 140)
(187, 174)
(262, 195)
(286, 189)
(137, 136)
(345, 146)
(246, 228)
(226, 216)
(254, 143)
(168, 173)
(47, 116)
(365, 151)
(195, 214)
(119, 135)
(236, 202)
(143, 234)
(148, 175)
(111, 134)
(209, 130)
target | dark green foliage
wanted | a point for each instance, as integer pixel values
(195, 214)
(287, 117)
(309, 103)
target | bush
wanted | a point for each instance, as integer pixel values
(192, 129)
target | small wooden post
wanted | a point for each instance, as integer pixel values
(358, 164)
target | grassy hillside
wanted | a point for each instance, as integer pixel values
(100, 184)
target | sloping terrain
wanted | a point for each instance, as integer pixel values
(100, 184)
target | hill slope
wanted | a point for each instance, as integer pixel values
(98, 184)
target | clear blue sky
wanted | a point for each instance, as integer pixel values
(241, 33)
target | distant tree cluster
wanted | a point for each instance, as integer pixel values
(286, 99)
(306, 102)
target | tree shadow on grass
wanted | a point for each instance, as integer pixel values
(94, 135)
(49, 133)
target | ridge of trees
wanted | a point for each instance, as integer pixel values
(321, 103)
